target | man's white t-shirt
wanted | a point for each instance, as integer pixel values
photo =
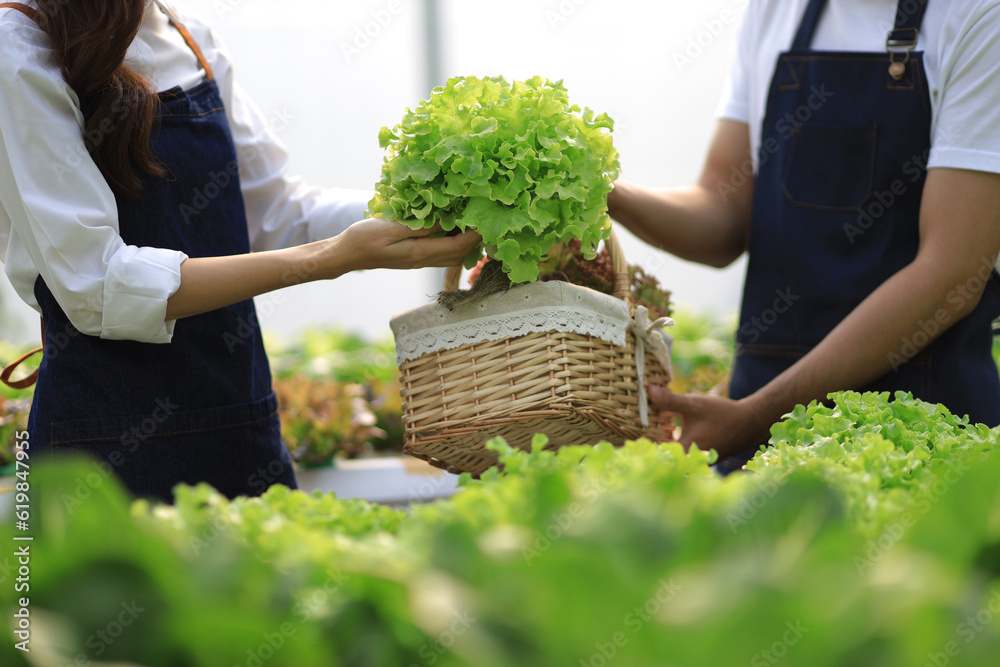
(960, 40)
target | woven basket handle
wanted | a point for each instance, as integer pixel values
(622, 284)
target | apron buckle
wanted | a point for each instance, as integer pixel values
(900, 42)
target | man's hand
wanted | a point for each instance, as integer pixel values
(714, 422)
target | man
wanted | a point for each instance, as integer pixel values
(861, 170)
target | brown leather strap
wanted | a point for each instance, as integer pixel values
(30, 12)
(193, 45)
(11, 367)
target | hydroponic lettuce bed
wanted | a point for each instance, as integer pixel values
(339, 391)
(868, 535)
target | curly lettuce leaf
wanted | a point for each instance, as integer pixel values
(517, 163)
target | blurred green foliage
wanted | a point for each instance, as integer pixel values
(637, 556)
(339, 390)
(702, 352)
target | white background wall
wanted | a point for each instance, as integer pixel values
(337, 71)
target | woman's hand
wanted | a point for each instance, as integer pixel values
(380, 244)
(714, 422)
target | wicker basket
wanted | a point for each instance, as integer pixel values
(575, 387)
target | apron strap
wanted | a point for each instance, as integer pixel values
(12, 366)
(902, 39)
(192, 44)
(30, 12)
(907, 23)
(807, 28)
(909, 20)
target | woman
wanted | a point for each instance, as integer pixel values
(858, 161)
(128, 220)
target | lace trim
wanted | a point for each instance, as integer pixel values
(564, 319)
(551, 306)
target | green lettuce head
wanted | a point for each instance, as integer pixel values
(514, 162)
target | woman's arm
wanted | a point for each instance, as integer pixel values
(959, 242)
(209, 283)
(706, 223)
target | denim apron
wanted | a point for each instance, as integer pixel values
(200, 409)
(843, 157)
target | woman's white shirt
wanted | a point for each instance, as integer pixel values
(58, 216)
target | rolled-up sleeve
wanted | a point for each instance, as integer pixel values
(138, 283)
(59, 216)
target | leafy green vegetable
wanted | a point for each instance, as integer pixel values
(883, 456)
(515, 162)
(869, 535)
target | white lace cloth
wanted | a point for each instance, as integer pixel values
(536, 307)
(551, 306)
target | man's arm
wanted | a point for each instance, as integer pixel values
(708, 222)
(959, 239)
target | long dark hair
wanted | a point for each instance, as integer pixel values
(90, 38)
